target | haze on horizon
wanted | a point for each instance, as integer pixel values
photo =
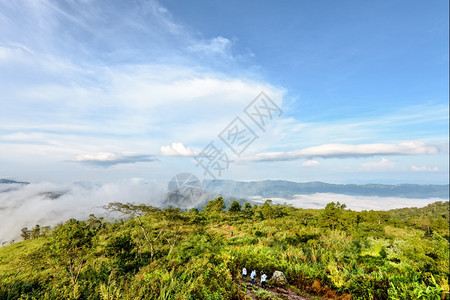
(110, 91)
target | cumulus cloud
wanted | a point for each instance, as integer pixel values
(424, 169)
(48, 204)
(310, 163)
(380, 165)
(177, 149)
(107, 159)
(347, 151)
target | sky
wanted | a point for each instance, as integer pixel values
(110, 91)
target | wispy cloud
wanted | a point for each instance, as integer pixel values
(177, 149)
(350, 151)
(310, 163)
(419, 122)
(424, 169)
(381, 165)
(105, 159)
(215, 46)
(91, 77)
(97, 77)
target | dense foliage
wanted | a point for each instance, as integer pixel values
(174, 254)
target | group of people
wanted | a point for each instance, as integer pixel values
(253, 277)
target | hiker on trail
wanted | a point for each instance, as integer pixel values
(263, 280)
(253, 276)
(244, 272)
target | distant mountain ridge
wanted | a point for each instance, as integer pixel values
(238, 190)
(287, 189)
(200, 201)
(9, 181)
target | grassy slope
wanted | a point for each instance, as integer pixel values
(196, 252)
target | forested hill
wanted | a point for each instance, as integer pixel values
(286, 189)
(171, 254)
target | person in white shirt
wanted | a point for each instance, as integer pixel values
(253, 276)
(244, 272)
(263, 280)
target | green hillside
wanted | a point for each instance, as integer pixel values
(172, 254)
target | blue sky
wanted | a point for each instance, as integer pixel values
(110, 90)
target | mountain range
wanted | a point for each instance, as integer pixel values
(9, 181)
(288, 189)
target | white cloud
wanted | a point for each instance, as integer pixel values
(7, 54)
(136, 79)
(358, 203)
(139, 98)
(174, 103)
(177, 149)
(310, 163)
(131, 79)
(424, 169)
(381, 165)
(48, 204)
(218, 45)
(106, 159)
(345, 150)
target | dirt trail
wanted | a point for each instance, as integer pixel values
(286, 293)
(282, 293)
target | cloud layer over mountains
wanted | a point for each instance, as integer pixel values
(48, 204)
(358, 203)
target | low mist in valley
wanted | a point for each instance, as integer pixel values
(48, 204)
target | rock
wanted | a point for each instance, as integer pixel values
(279, 277)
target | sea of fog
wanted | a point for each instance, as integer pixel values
(357, 203)
(49, 204)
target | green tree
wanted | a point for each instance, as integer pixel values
(248, 210)
(332, 213)
(215, 206)
(35, 232)
(25, 233)
(136, 212)
(94, 223)
(270, 211)
(235, 207)
(69, 244)
(172, 213)
(267, 209)
(306, 218)
(194, 211)
(121, 249)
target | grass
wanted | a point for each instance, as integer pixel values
(13, 257)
